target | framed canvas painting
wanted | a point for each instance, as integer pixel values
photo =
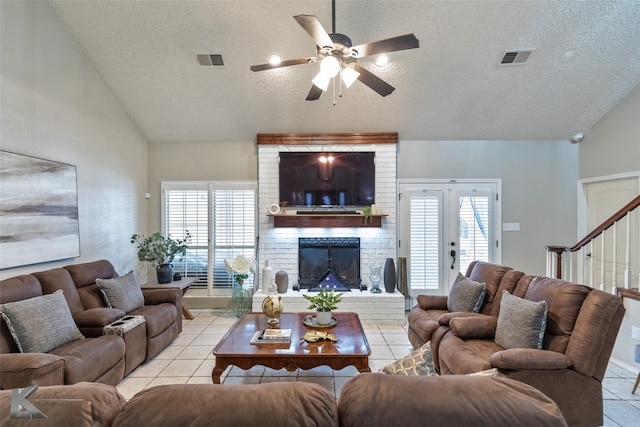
(38, 211)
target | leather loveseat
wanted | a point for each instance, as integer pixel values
(90, 356)
(581, 328)
(367, 400)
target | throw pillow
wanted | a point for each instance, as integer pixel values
(466, 295)
(418, 362)
(521, 323)
(122, 292)
(40, 324)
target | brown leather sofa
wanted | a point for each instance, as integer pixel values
(367, 400)
(582, 325)
(96, 358)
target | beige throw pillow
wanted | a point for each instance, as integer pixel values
(418, 362)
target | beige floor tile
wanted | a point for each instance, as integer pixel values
(375, 338)
(349, 371)
(280, 373)
(205, 369)
(167, 380)
(195, 352)
(152, 368)
(202, 320)
(377, 364)
(255, 371)
(391, 329)
(622, 413)
(224, 320)
(241, 380)
(180, 368)
(270, 379)
(184, 339)
(194, 328)
(397, 339)
(131, 386)
(400, 351)
(320, 371)
(380, 352)
(207, 339)
(170, 352)
(200, 380)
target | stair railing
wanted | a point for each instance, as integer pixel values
(564, 262)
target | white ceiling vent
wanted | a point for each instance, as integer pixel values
(214, 60)
(515, 57)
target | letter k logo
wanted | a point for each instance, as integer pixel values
(21, 407)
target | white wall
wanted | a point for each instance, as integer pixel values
(613, 147)
(538, 188)
(56, 106)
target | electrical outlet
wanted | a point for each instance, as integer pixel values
(635, 333)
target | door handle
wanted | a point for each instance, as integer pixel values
(453, 258)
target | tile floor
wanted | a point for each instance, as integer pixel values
(188, 360)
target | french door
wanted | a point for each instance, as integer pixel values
(443, 227)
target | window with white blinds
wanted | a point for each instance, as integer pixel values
(221, 218)
(424, 257)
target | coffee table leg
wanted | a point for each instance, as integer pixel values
(216, 374)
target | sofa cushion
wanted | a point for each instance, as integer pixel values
(224, 405)
(40, 324)
(59, 278)
(79, 405)
(418, 362)
(465, 357)
(157, 317)
(90, 358)
(466, 295)
(122, 292)
(521, 323)
(372, 400)
(491, 275)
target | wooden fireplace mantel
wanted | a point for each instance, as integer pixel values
(326, 220)
(327, 138)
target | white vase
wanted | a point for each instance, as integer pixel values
(267, 277)
(323, 317)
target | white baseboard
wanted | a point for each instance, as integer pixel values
(624, 365)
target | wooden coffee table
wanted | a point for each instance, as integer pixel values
(352, 348)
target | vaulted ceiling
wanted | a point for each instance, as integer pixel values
(585, 59)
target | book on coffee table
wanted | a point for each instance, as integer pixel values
(272, 336)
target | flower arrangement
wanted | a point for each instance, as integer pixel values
(324, 300)
(240, 267)
(366, 213)
(159, 249)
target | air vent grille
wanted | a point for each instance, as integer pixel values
(515, 57)
(214, 60)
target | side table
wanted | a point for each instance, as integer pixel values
(132, 329)
(181, 284)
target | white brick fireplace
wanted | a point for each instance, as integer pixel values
(280, 245)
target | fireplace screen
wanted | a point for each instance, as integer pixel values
(334, 261)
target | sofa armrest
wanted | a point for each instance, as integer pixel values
(474, 327)
(98, 317)
(155, 296)
(428, 302)
(446, 318)
(529, 358)
(22, 369)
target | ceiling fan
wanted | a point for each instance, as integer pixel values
(337, 55)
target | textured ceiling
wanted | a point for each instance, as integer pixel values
(586, 58)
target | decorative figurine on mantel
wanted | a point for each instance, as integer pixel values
(283, 206)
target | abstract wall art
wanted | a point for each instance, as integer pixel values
(38, 210)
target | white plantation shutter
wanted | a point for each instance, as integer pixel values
(221, 217)
(425, 237)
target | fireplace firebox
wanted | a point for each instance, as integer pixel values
(329, 263)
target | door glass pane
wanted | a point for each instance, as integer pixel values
(424, 253)
(474, 230)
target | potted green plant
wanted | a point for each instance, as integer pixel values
(324, 303)
(160, 251)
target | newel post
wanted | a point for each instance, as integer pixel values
(558, 250)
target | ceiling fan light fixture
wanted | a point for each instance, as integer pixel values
(381, 59)
(349, 76)
(275, 58)
(322, 81)
(329, 66)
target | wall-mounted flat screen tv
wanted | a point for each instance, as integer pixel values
(327, 179)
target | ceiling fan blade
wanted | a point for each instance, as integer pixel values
(314, 93)
(315, 29)
(286, 63)
(374, 82)
(408, 41)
